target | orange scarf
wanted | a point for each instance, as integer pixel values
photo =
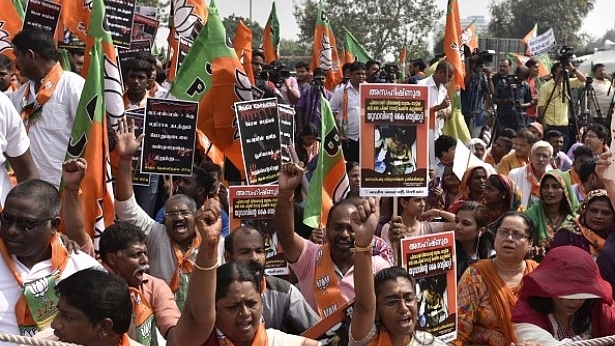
(143, 317)
(382, 338)
(125, 341)
(574, 176)
(31, 111)
(326, 286)
(184, 266)
(503, 298)
(37, 317)
(128, 104)
(596, 242)
(533, 181)
(260, 338)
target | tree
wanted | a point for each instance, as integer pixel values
(231, 22)
(514, 18)
(379, 26)
(293, 51)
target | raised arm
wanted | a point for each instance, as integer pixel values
(199, 316)
(73, 172)
(364, 222)
(127, 145)
(23, 166)
(601, 170)
(289, 178)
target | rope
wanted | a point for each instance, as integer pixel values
(605, 340)
(24, 340)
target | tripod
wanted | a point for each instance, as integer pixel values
(563, 77)
(478, 96)
(586, 101)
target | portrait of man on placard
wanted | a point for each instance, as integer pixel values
(395, 149)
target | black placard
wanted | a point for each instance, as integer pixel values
(260, 139)
(120, 14)
(137, 115)
(42, 14)
(144, 28)
(183, 46)
(170, 134)
(287, 130)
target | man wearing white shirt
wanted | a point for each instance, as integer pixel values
(346, 105)
(439, 103)
(47, 102)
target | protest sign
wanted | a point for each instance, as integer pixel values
(394, 136)
(138, 114)
(42, 14)
(183, 46)
(143, 28)
(430, 259)
(120, 15)
(541, 43)
(333, 329)
(259, 131)
(168, 146)
(287, 130)
(135, 50)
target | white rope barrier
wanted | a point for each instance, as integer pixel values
(605, 340)
(24, 340)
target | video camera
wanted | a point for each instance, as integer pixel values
(512, 79)
(318, 80)
(275, 73)
(564, 55)
(389, 73)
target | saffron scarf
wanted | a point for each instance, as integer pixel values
(142, 317)
(37, 306)
(125, 340)
(596, 242)
(534, 182)
(326, 286)
(179, 281)
(128, 104)
(502, 297)
(260, 338)
(31, 111)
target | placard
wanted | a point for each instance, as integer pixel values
(333, 329)
(541, 43)
(170, 134)
(42, 14)
(147, 11)
(120, 15)
(286, 115)
(430, 259)
(252, 202)
(138, 114)
(394, 139)
(259, 131)
(183, 46)
(144, 28)
(135, 50)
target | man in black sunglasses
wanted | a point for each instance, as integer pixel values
(34, 258)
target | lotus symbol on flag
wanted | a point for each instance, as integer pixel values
(113, 92)
(146, 328)
(183, 18)
(88, 4)
(4, 42)
(466, 36)
(325, 60)
(39, 287)
(243, 88)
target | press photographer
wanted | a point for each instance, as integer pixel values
(509, 93)
(264, 87)
(389, 74)
(280, 76)
(308, 106)
(476, 90)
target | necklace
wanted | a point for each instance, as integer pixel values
(553, 226)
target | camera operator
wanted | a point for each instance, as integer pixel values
(284, 82)
(308, 106)
(603, 90)
(265, 88)
(473, 96)
(535, 83)
(372, 71)
(508, 95)
(552, 112)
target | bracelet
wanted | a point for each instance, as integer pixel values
(126, 158)
(356, 248)
(196, 266)
(290, 197)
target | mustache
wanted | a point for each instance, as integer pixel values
(144, 268)
(256, 267)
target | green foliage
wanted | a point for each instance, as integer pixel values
(598, 43)
(378, 26)
(293, 51)
(514, 18)
(231, 22)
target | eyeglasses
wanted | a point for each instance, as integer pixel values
(26, 224)
(182, 213)
(516, 235)
(394, 303)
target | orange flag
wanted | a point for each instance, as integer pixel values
(188, 17)
(452, 38)
(271, 37)
(11, 22)
(243, 47)
(324, 54)
(531, 34)
(76, 18)
(469, 37)
(208, 149)
(347, 57)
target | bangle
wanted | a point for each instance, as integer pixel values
(196, 266)
(357, 248)
(126, 158)
(282, 195)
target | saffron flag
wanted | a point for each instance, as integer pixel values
(544, 62)
(531, 34)
(75, 17)
(187, 19)
(11, 21)
(347, 57)
(89, 134)
(352, 46)
(452, 46)
(271, 37)
(329, 182)
(324, 54)
(243, 48)
(212, 75)
(469, 36)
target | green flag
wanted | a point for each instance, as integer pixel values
(271, 37)
(329, 182)
(355, 48)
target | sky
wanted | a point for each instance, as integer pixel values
(596, 23)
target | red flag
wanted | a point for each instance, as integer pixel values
(452, 43)
(10, 24)
(189, 16)
(324, 54)
(243, 47)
